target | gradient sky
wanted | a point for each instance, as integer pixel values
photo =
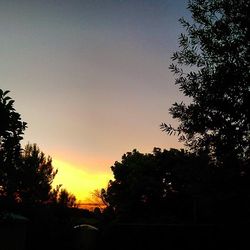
(91, 79)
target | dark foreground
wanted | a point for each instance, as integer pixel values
(22, 236)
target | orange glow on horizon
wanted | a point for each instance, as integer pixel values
(77, 180)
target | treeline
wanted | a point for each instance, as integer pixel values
(175, 187)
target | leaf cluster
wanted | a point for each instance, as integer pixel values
(212, 68)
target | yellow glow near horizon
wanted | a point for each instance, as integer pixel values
(78, 181)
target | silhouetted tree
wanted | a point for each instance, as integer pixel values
(11, 131)
(66, 199)
(161, 184)
(62, 197)
(98, 196)
(212, 69)
(26, 174)
(36, 175)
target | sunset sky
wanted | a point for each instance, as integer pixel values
(91, 79)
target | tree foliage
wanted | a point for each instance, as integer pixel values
(151, 185)
(11, 131)
(36, 175)
(212, 69)
(62, 197)
(26, 175)
(66, 199)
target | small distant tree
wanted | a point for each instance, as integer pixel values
(66, 199)
(98, 196)
(11, 131)
(62, 197)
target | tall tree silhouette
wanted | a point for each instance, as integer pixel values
(11, 131)
(212, 69)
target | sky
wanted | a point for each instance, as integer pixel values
(91, 79)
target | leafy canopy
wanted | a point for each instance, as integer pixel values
(212, 69)
(11, 131)
(151, 185)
